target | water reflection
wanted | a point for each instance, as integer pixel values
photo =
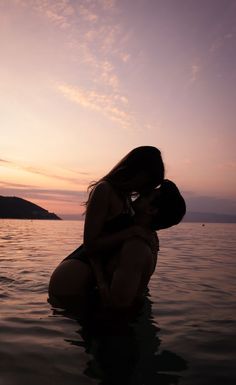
(126, 351)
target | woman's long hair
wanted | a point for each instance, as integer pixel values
(143, 159)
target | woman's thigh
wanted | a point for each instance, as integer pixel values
(71, 277)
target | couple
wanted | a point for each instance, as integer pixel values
(120, 246)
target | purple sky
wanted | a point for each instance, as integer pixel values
(83, 82)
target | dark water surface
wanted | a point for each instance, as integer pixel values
(186, 333)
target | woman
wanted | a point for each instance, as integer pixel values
(109, 231)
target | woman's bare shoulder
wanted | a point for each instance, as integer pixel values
(103, 188)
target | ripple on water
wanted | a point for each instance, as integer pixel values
(6, 280)
(192, 294)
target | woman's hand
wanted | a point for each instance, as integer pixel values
(104, 293)
(102, 285)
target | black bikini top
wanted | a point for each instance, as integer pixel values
(121, 221)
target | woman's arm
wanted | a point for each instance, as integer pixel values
(95, 241)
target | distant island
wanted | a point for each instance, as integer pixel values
(18, 208)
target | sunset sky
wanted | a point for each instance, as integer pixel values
(84, 82)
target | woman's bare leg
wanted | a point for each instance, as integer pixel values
(72, 278)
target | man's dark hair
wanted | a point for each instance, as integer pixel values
(172, 207)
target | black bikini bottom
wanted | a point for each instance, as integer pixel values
(78, 254)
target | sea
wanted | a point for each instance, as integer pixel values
(185, 333)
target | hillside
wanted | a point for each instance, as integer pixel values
(18, 208)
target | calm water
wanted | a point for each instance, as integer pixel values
(185, 335)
